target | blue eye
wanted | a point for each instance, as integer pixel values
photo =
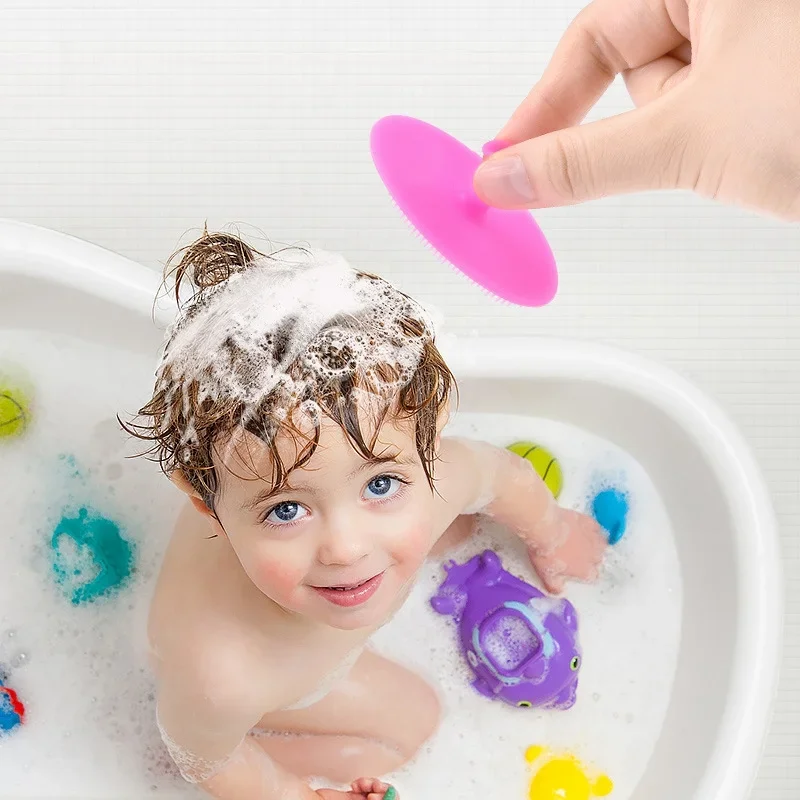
(286, 512)
(382, 486)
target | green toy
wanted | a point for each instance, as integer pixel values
(14, 411)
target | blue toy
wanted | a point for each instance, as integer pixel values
(610, 509)
(91, 558)
(522, 647)
(12, 712)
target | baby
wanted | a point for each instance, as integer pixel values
(299, 405)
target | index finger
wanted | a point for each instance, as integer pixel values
(606, 38)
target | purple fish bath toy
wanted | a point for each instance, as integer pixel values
(522, 646)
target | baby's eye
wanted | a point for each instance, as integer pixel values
(286, 512)
(382, 486)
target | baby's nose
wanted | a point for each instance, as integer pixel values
(344, 546)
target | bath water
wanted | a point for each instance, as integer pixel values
(629, 632)
(81, 669)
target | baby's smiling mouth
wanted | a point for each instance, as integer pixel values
(350, 594)
(345, 588)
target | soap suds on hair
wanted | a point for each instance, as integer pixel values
(286, 324)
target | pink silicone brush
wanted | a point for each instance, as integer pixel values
(429, 175)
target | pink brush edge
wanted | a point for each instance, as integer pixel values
(429, 176)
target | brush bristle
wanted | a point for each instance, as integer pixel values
(443, 260)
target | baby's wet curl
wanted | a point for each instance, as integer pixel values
(264, 336)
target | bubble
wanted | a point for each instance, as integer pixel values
(114, 472)
(19, 660)
(509, 642)
(106, 436)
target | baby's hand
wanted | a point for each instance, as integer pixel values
(571, 546)
(373, 789)
(362, 789)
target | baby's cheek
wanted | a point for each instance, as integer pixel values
(411, 548)
(277, 577)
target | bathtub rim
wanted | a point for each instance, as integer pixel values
(48, 255)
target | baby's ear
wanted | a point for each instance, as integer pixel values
(181, 481)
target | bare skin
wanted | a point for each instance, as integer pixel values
(240, 634)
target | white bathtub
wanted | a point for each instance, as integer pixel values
(726, 677)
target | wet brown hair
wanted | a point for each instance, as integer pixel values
(206, 265)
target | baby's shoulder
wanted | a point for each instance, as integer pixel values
(222, 670)
(464, 462)
(465, 470)
(208, 697)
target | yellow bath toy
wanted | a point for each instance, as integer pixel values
(16, 392)
(14, 411)
(563, 777)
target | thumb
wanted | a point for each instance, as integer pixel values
(555, 584)
(636, 151)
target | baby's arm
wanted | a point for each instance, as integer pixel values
(204, 724)
(498, 483)
(205, 730)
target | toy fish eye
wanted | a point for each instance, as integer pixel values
(574, 664)
(524, 704)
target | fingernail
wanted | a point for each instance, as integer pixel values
(504, 182)
(391, 794)
(490, 148)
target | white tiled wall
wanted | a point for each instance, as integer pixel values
(129, 124)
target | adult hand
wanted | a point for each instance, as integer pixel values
(717, 89)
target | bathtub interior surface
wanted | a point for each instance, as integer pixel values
(38, 304)
(702, 526)
(699, 514)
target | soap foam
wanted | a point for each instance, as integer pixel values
(193, 768)
(509, 643)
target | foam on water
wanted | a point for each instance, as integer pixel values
(84, 678)
(81, 670)
(509, 642)
(629, 634)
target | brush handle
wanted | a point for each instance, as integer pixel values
(474, 208)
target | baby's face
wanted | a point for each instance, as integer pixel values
(345, 538)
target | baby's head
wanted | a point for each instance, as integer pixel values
(299, 404)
